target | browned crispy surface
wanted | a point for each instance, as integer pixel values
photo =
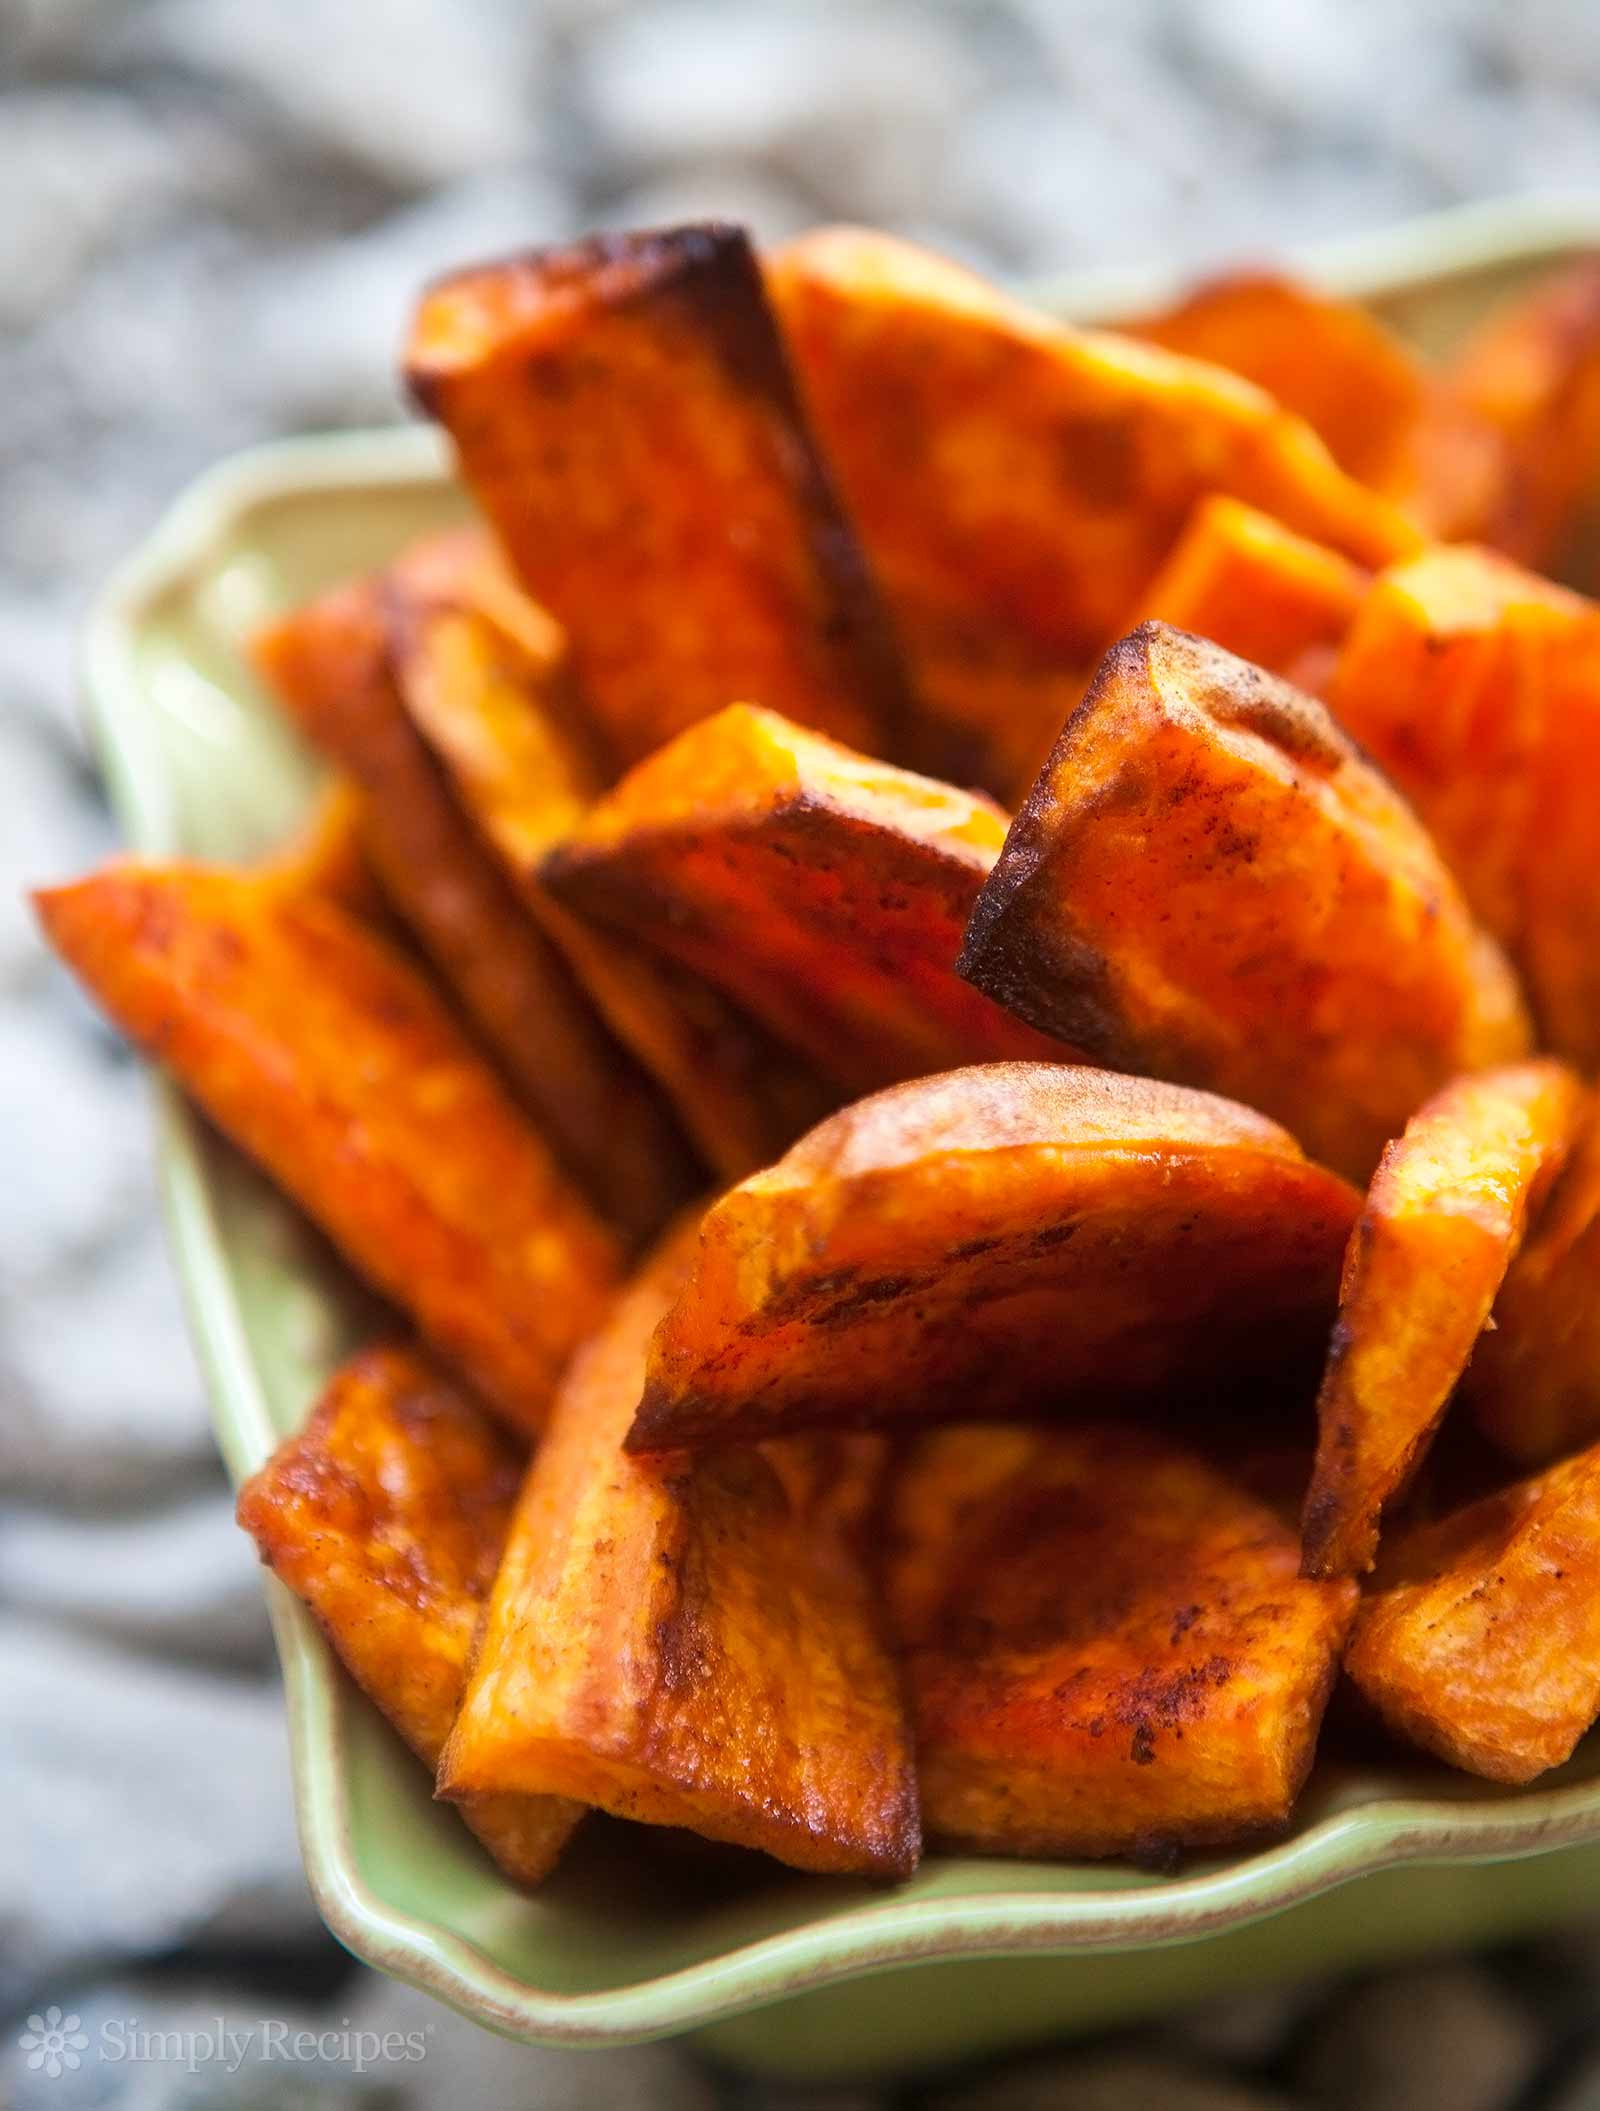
(1015, 1238)
(386, 1514)
(333, 1063)
(1444, 1216)
(1211, 884)
(686, 1642)
(1108, 1649)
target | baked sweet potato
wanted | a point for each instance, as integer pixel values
(1444, 1217)
(329, 664)
(1009, 1239)
(336, 1065)
(1534, 1383)
(824, 892)
(687, 1642)
(328, 856)
(624, 413)
(1107, 1646)
(1210, 883)
(386, 1515)
(1017, 483)
(1481, 1640)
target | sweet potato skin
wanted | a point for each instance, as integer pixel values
(855, 877)
(1209, 883)
(1481, 1641)
(386, 1515)
(688, 1642)
(1107, 1646)
(334, 1064)
(1443, 1219)
(1011, 1238)
(624, 413)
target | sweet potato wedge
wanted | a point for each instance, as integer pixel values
(386, 1515)
(1444, 1217)
(328, 663)
(826, 893)
(1009, 1239)
(1534, 1382)
(1481, 1639)
(1017, 483)
(1210, 883)
(624, 413)
(1107, 1646)
(687, 1642)
(328, 856)
(328, 1058)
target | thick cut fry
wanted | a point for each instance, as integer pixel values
(625, 415)
(1209, 883)
(1481, 1641)
(687, 1642)
(1444, 1217)
(1017, 483)
(825, 892)
(1534, 1383)
(386, 1515)
(337, 1066)
(1010, 1239)
(1107, 1646)
(328, 662)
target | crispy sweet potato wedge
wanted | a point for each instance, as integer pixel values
(1534, 1382)
(1018, 483)
(1209, 883)
(625, 415)
(327, 1057)
(1444, 1217)
(328, 855)
(1004, 1240)
(386, 1514)
(1108, 1649)
(824, 892)
(685, 1642)
(328, 663)
(1481, 1641)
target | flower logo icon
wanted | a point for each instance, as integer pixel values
(53, 2041)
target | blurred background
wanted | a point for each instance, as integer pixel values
(213, 217)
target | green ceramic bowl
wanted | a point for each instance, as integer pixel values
(635, 1937)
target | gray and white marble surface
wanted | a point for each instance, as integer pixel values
(213, 214)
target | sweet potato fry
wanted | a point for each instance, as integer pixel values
(1209, 883)
(1013, 1238)
(328, 663)
(687, 1642)
(625, 415)
(1107, 1646)
(1444, 1217)
(1481, 1641)
(328, 855)
(386, 1514)
(328, 1058)
(1017, 483)
(824, 892)
(1534, 1382)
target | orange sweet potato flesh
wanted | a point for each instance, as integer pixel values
(624, 414)
(1107, 1646)
(690, 1643)
(328, 663)
(1443, 1219)
(1008, 1239)
(1475, 686)
(1481, 1640)
(1534, 1383)
(825, 892)
(333, 1063)
(386, 1515)
(1210, 883)
(328, 855)
(1017, 483)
